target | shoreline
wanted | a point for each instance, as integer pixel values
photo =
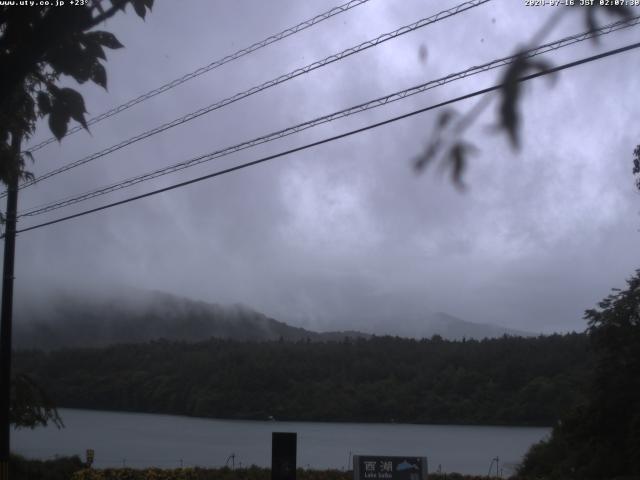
(319, 422)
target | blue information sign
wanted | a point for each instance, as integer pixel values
(369, 467)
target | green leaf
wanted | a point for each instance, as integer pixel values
(107, 39)
(58, 123)
(74, 104)
(510, 90)
(99, 75)
(44, 102)
(92, 45)
(75, 61)
(140, 7)
(27, 176)
(458, 158)
(435, 146)
(67, 104)
(29, 155)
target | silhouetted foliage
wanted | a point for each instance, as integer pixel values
(62, 468)
(30, 405)
(446, 144)
(601, 437)
(510, 380)
(38, 45)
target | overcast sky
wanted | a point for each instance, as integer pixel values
(331, 236)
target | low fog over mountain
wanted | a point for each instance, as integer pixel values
(64, 319)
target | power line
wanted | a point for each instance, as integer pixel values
(476, 93)
(207, 68)
(271, 83)
(561, 43)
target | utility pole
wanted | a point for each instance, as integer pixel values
(7, 307)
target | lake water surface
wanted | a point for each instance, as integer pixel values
(139, 440)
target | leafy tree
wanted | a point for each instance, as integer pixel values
(30, 405)
(601, 438)
(39, 45)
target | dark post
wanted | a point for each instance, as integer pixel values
(283, 456)
(7, 310)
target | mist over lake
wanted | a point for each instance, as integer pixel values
(139, 440)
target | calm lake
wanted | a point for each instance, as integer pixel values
(139, 440)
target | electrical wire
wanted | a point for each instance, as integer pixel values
(378, 102)
(271, 83)
(476, 93)
(207, 68)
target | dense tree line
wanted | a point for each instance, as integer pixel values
(510, 380)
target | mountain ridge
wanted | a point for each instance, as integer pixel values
(62, 319)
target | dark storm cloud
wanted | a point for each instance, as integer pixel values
(347, 233)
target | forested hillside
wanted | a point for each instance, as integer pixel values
(57, 318)
(66, 319)
(524, 381)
